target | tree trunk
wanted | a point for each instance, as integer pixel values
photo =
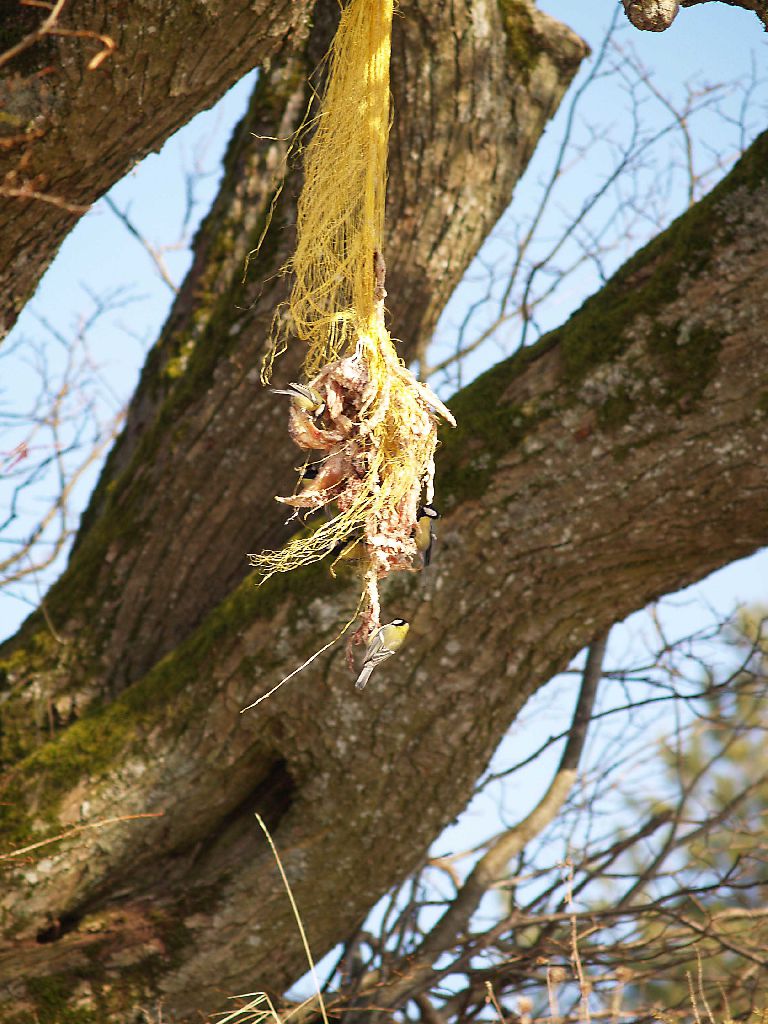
(622, 457)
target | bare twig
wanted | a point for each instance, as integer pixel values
(27, 192)
(50, 27)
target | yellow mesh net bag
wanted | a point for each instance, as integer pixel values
(368, 426)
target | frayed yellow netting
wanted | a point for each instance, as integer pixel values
(370, 425)
(340, 217)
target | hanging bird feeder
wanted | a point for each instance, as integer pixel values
(367, 426)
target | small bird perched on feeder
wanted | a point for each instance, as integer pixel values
(385, 642)
(306, 398)
(350, 550)
(423, 534)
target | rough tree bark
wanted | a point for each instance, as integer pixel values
(622, 457)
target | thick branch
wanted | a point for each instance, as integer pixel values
(69, 132)
(651, 15)
(759, 7)
(658, 15)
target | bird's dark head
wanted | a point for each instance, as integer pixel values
(429, 512)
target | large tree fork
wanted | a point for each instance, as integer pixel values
(622, 457)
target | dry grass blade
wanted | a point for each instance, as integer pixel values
(75, 831)
(306, 663)
(260, 1007)
(296, 914)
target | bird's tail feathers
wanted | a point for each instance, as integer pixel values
(365, 675)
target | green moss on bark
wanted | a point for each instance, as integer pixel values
(687, 361)
(615, 411)
(685, 356)
(488, 428)
(523, 44)
(90, 747)
(51, 997)
(653, 277)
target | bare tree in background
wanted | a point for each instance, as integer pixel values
(620, 458)
(61, 408)
(661, 147)
(561, 919)
(73, 416)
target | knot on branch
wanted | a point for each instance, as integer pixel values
(651, 15)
